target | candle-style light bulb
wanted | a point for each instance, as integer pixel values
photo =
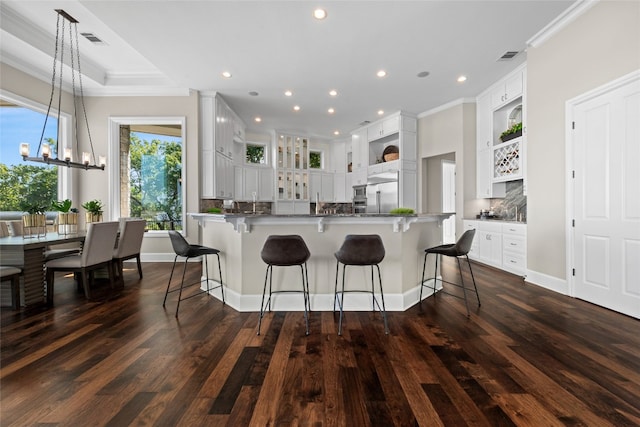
(86, 158)
(67, 154)
(102, 160)
(46, 150)
(24, 149)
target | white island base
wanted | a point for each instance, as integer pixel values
(240, 239)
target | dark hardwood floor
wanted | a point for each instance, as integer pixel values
(526, 357)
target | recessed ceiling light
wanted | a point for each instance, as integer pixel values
(288, 93)
(333, 92)
(296, 107)
(380, 112)
(422, 74)
(462, 79)
(253, 93)
(258, 119)
(331, 111)
(226, 74)
(381, 73)
(336, 132)
(319, 13)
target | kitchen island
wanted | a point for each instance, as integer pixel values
(240, 239)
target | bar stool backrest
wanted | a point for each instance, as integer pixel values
(463, 245)
(361, 249)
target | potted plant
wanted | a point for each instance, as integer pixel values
(34, 217)
(67, 216)
(94, 210)
(511, 133)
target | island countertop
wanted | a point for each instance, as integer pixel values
(243, 222)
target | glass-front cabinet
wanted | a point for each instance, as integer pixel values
(292, 153)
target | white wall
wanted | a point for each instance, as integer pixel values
(599, 46)
(99, 109)
(446, 131)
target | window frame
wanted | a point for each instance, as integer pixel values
(114, 165)
(321, 153)
(66, 187)
(265, 147)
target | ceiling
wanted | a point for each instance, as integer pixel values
(171, 47)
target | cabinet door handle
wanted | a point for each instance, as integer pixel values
(488, 237)
(513, 244)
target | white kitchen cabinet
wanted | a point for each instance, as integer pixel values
(321, 183)
(514, 248)
(498, 162)
(265, 184)
(359, 150)
(474, 251)
(384, 127)
(507, 90)
(400, 129)
(499, 244)
(490, 243)
(218, 123)
(340, 188)
(292, 170)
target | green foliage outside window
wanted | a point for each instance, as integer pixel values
(315, 159)
(155, 181)
(27, 184)
(255, 154)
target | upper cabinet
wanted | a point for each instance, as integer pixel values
(220, 127)
(388, 146)
(501, 135)
(507, 90)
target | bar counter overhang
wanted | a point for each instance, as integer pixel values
(240, 239)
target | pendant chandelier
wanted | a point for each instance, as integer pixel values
(44, 153)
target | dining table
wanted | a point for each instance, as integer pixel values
(28, 254)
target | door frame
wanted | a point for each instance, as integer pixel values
(570, 145)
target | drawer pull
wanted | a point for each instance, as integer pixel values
(513, 244)
(513, 262)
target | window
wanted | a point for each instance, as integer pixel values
(150, 169)
(315, 159)
(256, 154)
(21, 182)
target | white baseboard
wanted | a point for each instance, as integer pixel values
(320, 302)
(548, 282)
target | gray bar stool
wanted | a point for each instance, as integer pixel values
(285, 251)
(360, 250)
(459, 249)
(184, 249)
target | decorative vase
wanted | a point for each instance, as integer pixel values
(93, 217)
(34, 224)
(67, 222)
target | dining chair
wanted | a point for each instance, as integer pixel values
(131, 232)
(12, 274)
(16, 227)
(97, 252)
(4, 229)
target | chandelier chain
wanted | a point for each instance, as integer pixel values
(53, 85)
(84, 109)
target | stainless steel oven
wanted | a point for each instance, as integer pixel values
(359, 200)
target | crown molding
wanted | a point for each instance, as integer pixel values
(446, 106)
(561, 21)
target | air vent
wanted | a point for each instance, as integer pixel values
(92, 38)
(366, 122)
(508, 55)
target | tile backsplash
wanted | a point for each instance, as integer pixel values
(514, 199)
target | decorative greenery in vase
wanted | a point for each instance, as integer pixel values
(35, 217)
(94, 210)
(67, 216)
(513, 132)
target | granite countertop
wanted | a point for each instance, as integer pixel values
(496, 219)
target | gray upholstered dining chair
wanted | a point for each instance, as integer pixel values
(131, 232)
(97, 252)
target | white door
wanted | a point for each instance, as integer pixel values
(449, 201)
(606, 198)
